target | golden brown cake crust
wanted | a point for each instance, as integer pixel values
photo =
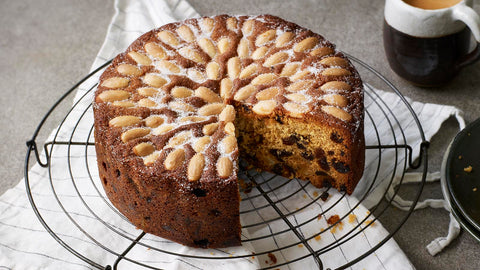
(164, 113)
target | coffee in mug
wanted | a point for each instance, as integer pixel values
(427, 42)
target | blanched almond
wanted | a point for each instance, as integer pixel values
(336, 100)
(336, 85)
(334, 61)
(224, 167)
(162, 129)
(116, 82)
(295, 109)
(181, 92)
(284, 39)
(207, 95)
(299, 86)
(129, 70)
(259, 53)
(268, 93)
(207, 46)
(201, 144)
(305, 44)
(181, 106)
(229, 128)
(232, 23)
(300, 98)
(233, 67)
(265, 37)
(143, 149)
(167, 65)
(134, 133)
(179, 139)
(264, 79)
(124, 104)
(275, 59)
(147, 91)
(226, 87)
(174, 159)
(195, 75)
(192, 119)
(145, 102)
(191, 55)
(154, 80)
(207, 24)
(211, 109)
(168, 38)
(337, 112)
(195, 167)
(223, 45)
(322, 51)
(243, 49)
(244, 92)
(247, 27)
(300, 75)
(248, 71)
(140, 58)
(210, 128)
(154, 121)
(228, 114)
(289, 69)
(229, 144)
(113, 95)
(155, 50)
(336, 72)
(186, 33)
(264, 107)
(124, 121)
(213, 71)
(150, 159)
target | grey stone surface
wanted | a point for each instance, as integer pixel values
(47, 46)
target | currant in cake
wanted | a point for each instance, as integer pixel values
(176, 111)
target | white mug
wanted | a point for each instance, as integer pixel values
(429, 46)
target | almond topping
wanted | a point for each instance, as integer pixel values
(179, 139)
(233, 67)
(209, 129)
(134, 133)
(300, 75)
(299, 86)
(181, 92)
(150, 159)
(124, 121)
(265, 37)
(181, 106)
(155, 50)
(174, 159)
(336, 72)
(295, 109)
(207, 95)
(213, 71)
(305, 44)
(334, 61)
(224, 167)
(232, 23)
(168, 38)
(248, 71)
(191, 55)
(335, 85)
(229, 144)
(259, 53)
(289, 69)
(207, 46)
(226, 87)
(322, 51)
(129, 70)
(211, 109)
(275, 59)
(244, 92)
(223, 45)
(264, 107)
(192, 119)
(162, 129)
(195, 75)
(207, 24)
(229, 128)
(186, 33)
(264, 79)
(113, 95)
(247, 27)
(148, 103)
(147, 91)
(154, 80)
(116, 82)
(143, 149)
(337, 112)
(228, 114)
(336, 100)
(195, 167)
(154, 121)
(268, 93)
(124, 104)
(300, 98)
(168, 66)
(243, 49)
(201, 143)
(284, 39)
(140, 58)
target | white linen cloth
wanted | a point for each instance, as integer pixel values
(94, 230)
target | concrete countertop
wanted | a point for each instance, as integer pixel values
(47, 46)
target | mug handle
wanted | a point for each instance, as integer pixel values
(467, 15)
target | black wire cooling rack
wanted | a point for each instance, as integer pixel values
(261, 192)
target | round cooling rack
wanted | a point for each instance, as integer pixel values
(289, 223)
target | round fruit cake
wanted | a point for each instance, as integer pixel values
(176, 111)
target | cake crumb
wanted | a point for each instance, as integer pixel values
(324, 196)
(315, 194)
(211, 253)
(335, 219)
(474, 189)
(351, 218)
(460, 157)
(369, 222)
(318, 237)
(273, 259)
(300, 245)
(304, 196)
(319, 216)
(468, 169)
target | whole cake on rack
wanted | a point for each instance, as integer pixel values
(176, 111)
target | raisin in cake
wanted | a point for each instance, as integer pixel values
(174, 113)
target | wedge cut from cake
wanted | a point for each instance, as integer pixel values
(176, 111)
